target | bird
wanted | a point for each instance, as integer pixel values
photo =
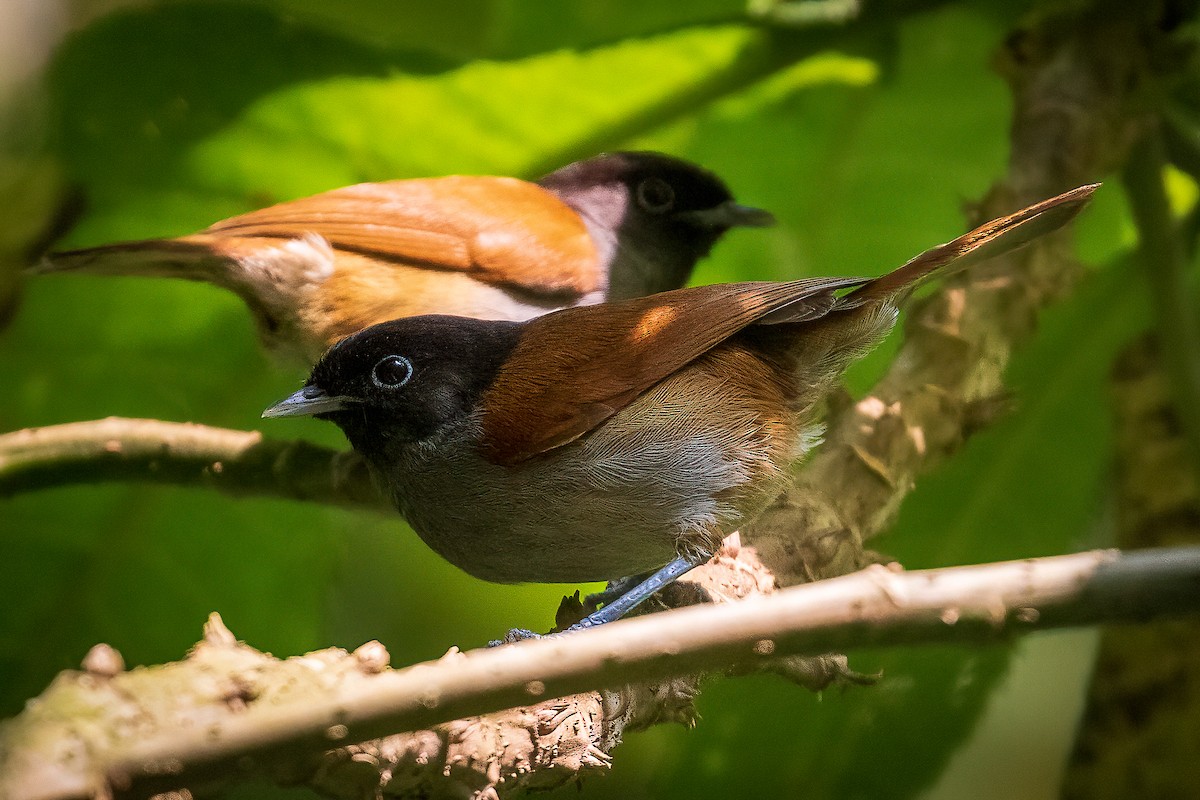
(314, 270)
(619, 439)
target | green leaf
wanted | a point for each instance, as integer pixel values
(504, 28)
(163, 152)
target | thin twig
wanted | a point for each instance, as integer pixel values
(235, 462)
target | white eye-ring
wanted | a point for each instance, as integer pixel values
(392, 372)
(655, 195)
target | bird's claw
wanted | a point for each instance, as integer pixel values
(515, 635)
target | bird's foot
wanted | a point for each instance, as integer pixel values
(621, 603)
(517, 635)
(611, 592)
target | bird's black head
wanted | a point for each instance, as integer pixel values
(404, 380)
(655, 214)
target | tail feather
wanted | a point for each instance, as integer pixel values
(193, 258)
(987, 241)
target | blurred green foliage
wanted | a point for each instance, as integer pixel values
(864, 142)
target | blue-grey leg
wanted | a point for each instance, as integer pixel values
(613, 590)
(635, 596)
(622, 604)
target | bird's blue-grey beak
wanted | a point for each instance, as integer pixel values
(306, 402)
(730, 215)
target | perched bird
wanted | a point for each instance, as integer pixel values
(611, 440)
(315, 270)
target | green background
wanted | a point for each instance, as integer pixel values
(865, 142)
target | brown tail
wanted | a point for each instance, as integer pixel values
(192, 258)
(987, 241)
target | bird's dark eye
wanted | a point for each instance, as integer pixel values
(392, 372)
(655, 195)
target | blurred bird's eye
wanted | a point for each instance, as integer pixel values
(392, 372)
(655, 195)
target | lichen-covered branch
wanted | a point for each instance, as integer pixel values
(229, 712)
(235, 462)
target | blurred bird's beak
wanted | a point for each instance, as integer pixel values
(308, 401)
(729, 215)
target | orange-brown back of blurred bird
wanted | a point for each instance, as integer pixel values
(316, 269)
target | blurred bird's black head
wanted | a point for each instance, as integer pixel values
(402, 381)
(656, 215)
